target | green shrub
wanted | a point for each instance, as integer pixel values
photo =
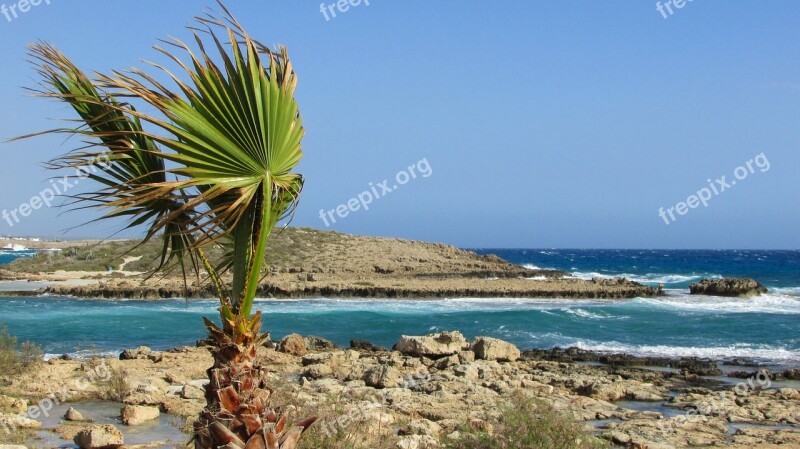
(16, 358)
(527, 424)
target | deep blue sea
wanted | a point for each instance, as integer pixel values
(765, 328)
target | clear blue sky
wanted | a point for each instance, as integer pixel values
(546, 124)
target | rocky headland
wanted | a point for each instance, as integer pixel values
(309, 263)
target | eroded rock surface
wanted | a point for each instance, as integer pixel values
(733, 287)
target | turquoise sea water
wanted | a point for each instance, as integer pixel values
(765, 328)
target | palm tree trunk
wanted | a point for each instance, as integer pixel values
(238, 414)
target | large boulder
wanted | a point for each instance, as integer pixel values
(99, 437)
(434, 346)
(293, 344)
(732, 287)
(136, 415)
(487, 348)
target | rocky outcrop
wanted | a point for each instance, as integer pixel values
(140, 353)
(364, 345)
(136, 415)
(383, 376)
(319, 344)
(731, 287)
(434, 345)
(487, 348)
(293, 344)
(99, 437)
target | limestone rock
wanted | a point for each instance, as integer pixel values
(417, 442)
(318, 371)
(12, 405)
(19, 422)
(99, 437)
(383, 376)
(734, 287)
(142, 352)
(319, 344)
(136, 415)
(364, 345)
(74, 415)
(293, 344)
(435, 345)
(487, 348)
(191, 392)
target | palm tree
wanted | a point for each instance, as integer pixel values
(215, 168)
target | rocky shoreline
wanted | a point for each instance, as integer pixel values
(429, 387)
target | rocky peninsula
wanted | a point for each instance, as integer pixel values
(309, 263)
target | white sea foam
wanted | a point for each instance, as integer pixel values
(582, 313)
(735, 351)
(786, 291)
(85, 355)
(651, 278)
(769, 303)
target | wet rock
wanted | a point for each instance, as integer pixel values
(74, 415)
(292, 344)
(792, 374)
(561, 355)
(99, 437)
(732, 287)
(364, 345)
(487, 348)
(136, 415)
(434, 346)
